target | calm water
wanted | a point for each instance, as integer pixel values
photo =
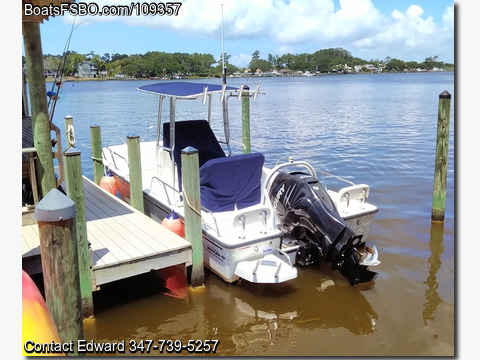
(374, 129)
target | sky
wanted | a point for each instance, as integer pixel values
(409, 30)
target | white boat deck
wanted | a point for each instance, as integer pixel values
(124, 242)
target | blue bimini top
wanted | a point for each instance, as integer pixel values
(183, 89)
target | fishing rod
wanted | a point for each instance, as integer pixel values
(226, 124)
(53, 95)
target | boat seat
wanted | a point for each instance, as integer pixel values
(232, 182)
(197, 134)
(352, 195)
(194, 133)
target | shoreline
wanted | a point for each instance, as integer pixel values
(74, 79)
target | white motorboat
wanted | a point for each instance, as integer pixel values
(258, 223)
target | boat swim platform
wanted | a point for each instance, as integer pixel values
(124, 242)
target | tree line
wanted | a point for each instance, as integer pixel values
(335, 60)
(167, 65)
(151, 64)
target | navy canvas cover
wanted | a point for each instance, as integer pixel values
(229, 182)
(194, 133)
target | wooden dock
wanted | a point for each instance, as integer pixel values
(123, 241)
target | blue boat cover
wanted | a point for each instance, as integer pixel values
(225, 182)
(182, 89)
(229, 182)
(194, 133)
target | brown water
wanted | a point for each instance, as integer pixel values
(318, 314)
(376, 129)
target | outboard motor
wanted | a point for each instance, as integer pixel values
(308, 214)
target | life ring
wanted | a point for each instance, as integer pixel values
(71, 135)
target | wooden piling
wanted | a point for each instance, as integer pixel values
(246, 120)
(441, 158)
(135, 172)
(38, 104)
(69, 132)
(96, 140)
(74, 182)
(55, 214)
(193, 219)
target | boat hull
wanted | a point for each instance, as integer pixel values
(247, 229)
(226, 259)
(361, 223)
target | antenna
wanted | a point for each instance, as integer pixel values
(224, 75)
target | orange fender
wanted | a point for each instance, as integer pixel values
(173, 223)
(109, 184)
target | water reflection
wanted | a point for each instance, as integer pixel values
(318, 301)
(248, 319)
(432, 297)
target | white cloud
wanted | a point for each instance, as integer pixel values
(412, 36)
(355, 25)
(448, 21)
(240, 60)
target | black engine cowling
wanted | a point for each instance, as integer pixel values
(308, 214)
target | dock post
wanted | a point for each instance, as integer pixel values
(55, 214)
(96, 139)
(39, 107)
(246, 120)
(69, 131)
(193, 218)
(135, 171)
(441, 158)
(74, 182)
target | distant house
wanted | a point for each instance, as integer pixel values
(286, 72)
(86, 69)
(366, 67)
(50, 73)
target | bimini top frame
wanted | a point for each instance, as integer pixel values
(183, 90)
(193, 91)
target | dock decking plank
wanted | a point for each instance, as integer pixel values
(125, 228)
(129, 225)
(124, 241)
(30, 247)
(152, 236)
